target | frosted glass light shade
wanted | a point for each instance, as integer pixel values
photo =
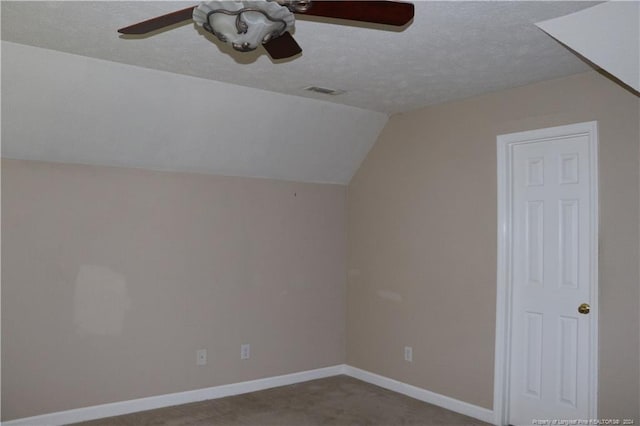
(244, 24)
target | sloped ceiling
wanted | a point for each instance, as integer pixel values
(73, 91)
(68, 108)
(608, 35)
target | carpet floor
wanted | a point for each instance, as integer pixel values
(334, 401)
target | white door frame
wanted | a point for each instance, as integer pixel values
(506, 144)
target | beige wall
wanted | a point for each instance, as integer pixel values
(422, 239)
(113, 278)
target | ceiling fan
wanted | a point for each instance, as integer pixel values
(247, 24)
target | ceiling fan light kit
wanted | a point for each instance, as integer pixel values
(244, 24)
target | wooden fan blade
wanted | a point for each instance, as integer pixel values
(159, 22)
(379, 12)
(282, 47)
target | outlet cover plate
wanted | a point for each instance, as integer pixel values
(408, 353)
(201, 357)
(245, 351)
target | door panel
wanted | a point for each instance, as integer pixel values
(551, 217)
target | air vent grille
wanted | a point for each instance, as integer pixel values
(324, 90)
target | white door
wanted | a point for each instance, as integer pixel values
(553, 207)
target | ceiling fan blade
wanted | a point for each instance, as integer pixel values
(379, 12)
(158, 22)
(282, 47)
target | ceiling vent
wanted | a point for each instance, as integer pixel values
(324, 90)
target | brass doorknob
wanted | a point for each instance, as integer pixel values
(584, 308)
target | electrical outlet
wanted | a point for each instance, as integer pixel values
(201, 357)
(245, 351)
(408, 353)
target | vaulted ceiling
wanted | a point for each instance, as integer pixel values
(451, 50)
(74, 91)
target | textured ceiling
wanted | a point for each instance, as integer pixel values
(452, 49)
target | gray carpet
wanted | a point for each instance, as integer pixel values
(335, 401)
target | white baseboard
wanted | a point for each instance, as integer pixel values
(160, 401)
(449, 403)
(152, 402)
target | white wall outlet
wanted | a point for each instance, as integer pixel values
(245, 351)
(408, 353)
(201, 357)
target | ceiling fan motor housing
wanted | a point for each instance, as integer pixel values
(244, 24)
